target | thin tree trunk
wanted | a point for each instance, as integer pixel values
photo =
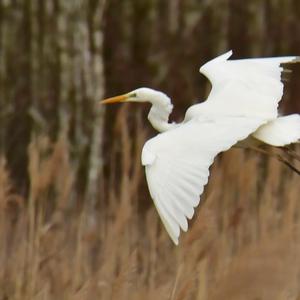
(97, 83)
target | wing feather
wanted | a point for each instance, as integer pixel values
(247, 87)
(245, 95)
(170, 205)
(169, 223)
(179, 166)
(184, 207)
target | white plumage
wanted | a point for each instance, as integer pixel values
(180, 160)
(243, 101)
(280, 131)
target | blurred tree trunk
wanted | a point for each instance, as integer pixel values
(51, 77)
(52, 69)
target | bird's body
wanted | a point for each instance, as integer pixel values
(243, 102)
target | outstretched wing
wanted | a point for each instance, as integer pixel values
(248, 87)
(177, 164)
(245, 95)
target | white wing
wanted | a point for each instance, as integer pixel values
(244, 96)
(177, 164)
(246, 87)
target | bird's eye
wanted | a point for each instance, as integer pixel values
(133, 95)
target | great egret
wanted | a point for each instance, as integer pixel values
(243, 102)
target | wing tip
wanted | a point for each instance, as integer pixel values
(174, 237)
(175, 241)
(222, 57)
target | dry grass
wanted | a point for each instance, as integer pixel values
(243, 243)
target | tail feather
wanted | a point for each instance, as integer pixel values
(280, 132)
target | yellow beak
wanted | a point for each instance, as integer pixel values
(121, 98)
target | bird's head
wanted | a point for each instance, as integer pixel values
(138, 95)
(160, 110)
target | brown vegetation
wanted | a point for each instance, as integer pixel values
(243, 243)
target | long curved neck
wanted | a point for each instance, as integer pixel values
(159, 113)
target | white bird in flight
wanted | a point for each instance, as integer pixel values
(243, 102)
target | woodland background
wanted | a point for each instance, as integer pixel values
(76, 218)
